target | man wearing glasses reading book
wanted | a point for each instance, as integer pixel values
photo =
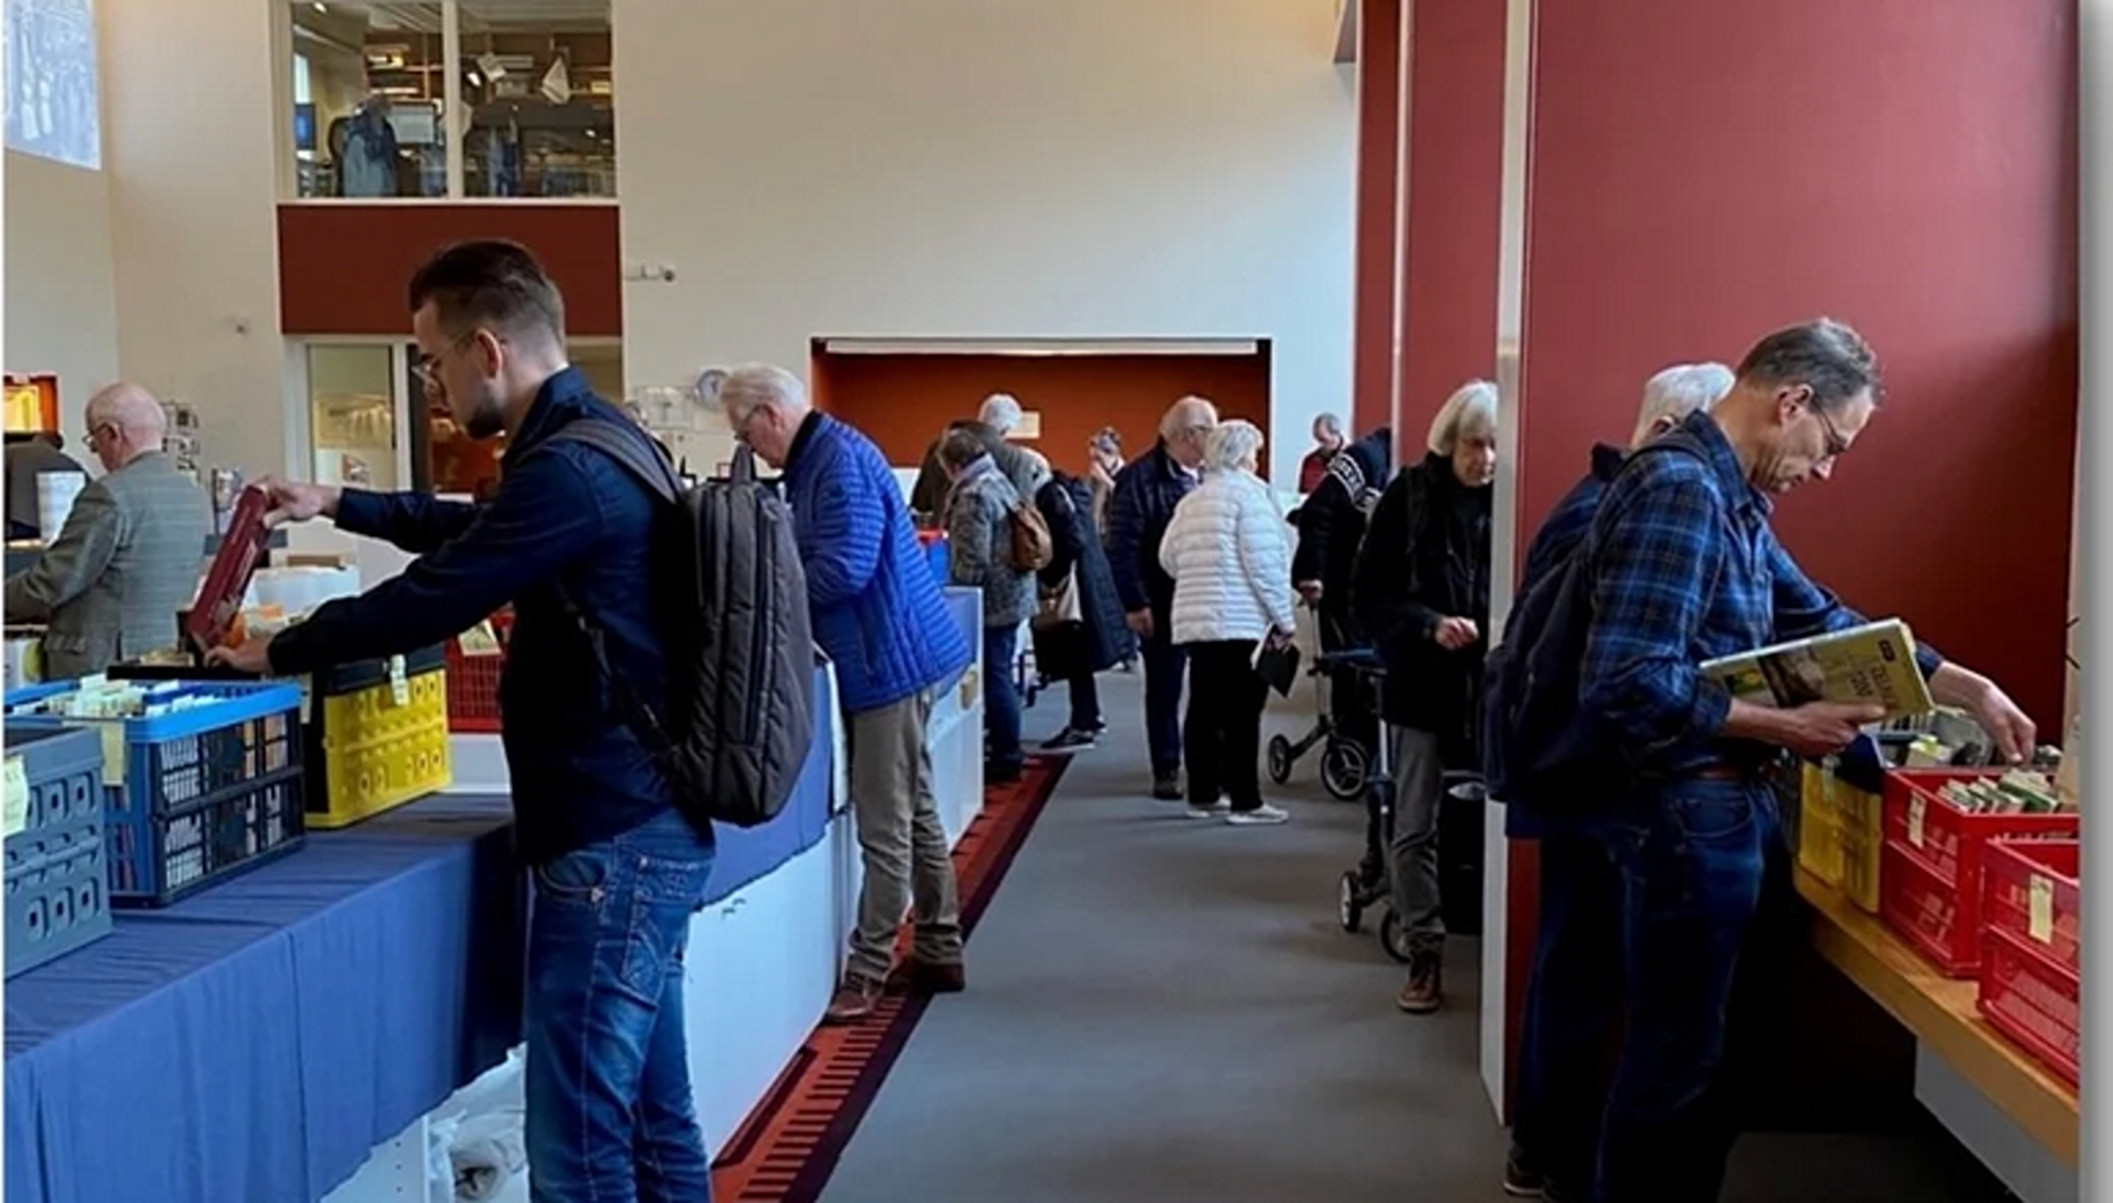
(1682, 568)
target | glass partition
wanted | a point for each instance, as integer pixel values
(369, 100)
(539, 91)
(371, 82)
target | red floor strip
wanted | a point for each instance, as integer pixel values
(789, 1146)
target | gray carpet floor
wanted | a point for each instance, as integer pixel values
(1167, 1010)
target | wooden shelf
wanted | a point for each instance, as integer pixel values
(1940, 1011)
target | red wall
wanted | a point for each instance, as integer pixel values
(905, 401)
(1379, 78)
(343, 268)
(1703, 173)
(1454, 182)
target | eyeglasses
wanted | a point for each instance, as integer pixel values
(428, 369)
(95, 433)
(741, 424)
(1836, 444)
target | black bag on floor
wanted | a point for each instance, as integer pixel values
(734, 731)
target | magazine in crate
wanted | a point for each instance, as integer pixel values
(1872, 663)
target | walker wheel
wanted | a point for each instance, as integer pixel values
(1393, 938)
(1344, 769)
(1279, 759)
(1350, 904)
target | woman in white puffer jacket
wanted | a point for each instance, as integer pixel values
(1229, 553)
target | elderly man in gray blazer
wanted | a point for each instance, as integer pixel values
(128, 557)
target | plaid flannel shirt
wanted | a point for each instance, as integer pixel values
(1686, 570)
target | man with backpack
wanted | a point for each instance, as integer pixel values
(879, 615)
(619, 857)
(982, 510)
(1601, 710)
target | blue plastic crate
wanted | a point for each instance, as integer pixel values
(156, 859)
(203, 791)
(185, 758)
(58, 893)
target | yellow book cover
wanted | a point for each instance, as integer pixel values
(1872, 663)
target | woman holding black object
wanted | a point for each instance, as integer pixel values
(1421, 592)
(1078, 624)
(1230, 556)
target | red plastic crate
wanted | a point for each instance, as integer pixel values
(1929, 912)
(2031, 891)
(473, 682)
(2034, 1001)
(1948, 839)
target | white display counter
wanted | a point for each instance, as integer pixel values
(763, 962)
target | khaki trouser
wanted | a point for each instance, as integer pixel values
(903, 841)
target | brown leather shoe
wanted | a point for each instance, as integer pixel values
(1424, 992)
(854, 1002)
(931, 977)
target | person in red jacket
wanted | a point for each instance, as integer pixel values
(1328, 440)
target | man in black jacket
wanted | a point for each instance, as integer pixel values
(618, 869)
(1146, 492)
(1331, 524)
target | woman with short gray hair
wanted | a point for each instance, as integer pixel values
(1230, 557)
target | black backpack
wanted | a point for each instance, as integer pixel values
(1540, 749)
(734, 730)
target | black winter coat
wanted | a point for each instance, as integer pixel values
(1146, 492)
(1332, 523)
(1101, 637)
(1425, 556)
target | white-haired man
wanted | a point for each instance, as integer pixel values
(1329, 440)
(995, 420)
(878, 612)
(1680, 566)
(128, 557)
(1146, 492)
(1568, 1009)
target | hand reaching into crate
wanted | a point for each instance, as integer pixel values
(252, 655)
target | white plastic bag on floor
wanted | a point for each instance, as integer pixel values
(481, 1138)
(488, 1154)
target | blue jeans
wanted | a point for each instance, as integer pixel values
(1165, 665)
(1691, 876)
(1001, 695)
(610, 1119)
(1573, 999)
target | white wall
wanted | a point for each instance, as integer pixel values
(61, 292)
(988, 168)
(190, 150)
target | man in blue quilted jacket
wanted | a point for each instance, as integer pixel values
(877, 611)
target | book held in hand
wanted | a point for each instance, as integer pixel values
(1873, 663)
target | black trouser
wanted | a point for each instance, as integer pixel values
(1085, 702)
(1165, 665)
(1223, 733)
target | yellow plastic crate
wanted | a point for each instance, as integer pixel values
(1840, 835)
(381, 747)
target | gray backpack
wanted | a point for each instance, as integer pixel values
(734, 730)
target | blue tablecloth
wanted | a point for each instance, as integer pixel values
(256, 1041)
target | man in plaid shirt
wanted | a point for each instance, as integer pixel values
(1685, 568)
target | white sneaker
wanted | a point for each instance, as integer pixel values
(1216, 810)
(1264, 815)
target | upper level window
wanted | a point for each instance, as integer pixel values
(369, 100)
(531, 87)
(53, 91)
(539, 92)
